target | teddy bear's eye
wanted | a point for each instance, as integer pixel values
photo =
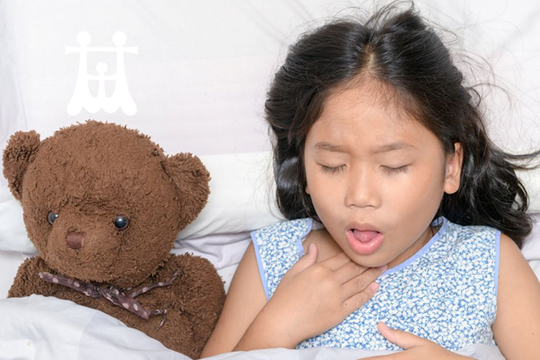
(121, 222)
(51, 217)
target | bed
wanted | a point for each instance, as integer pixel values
(193, 76)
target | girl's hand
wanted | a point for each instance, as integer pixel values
(314, 296)
(414, 347)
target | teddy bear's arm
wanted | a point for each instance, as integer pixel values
(200, 294)
(27, 280)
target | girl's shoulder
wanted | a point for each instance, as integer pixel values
(468, 244)
(290, 228)
(470, 233)
(295, 234)
(277, 248)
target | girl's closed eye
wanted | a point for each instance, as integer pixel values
(332, 169)
(395, 170)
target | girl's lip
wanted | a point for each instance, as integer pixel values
(362, 227)
(364, 247)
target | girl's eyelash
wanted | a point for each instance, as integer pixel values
(391, 170)
(386, 169)
(332, 170)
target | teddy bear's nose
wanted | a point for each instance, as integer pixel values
(75, 240)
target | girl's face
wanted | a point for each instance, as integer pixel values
(376, 176)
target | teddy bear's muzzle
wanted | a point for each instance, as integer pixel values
(75, 240)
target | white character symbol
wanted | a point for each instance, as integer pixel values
(121, 97)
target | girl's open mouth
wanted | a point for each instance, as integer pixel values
(364, 242)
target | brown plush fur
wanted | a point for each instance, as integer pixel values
(89, 174)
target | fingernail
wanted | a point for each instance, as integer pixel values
(383, 325)
(310, 247)
(383, 268)
(374, 286)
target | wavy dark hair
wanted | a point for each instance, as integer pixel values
(396, 48)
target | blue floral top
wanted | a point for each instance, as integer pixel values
(446, 292)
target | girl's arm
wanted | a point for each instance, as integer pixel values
(244, 301)
(517, 326)
(311, 298)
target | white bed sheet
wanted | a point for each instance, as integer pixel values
(79, 333)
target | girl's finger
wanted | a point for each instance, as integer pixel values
(401, 338)
(359, 299)
(336, 262)
(349, 271)
(360, 282)
(306, 261)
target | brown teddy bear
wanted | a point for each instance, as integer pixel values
(103, 205)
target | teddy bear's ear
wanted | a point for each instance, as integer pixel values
(20, 151)
(192, 184)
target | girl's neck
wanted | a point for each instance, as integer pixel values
(415, 247)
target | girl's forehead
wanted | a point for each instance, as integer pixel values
(365, 117)
(369, 106)
(368, 91)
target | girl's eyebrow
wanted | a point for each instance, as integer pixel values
(328, 147)
(399, 145)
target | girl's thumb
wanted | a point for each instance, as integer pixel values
(307, 260)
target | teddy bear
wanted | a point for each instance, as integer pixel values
(103, 205)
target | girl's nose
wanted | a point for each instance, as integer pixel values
(362, 191)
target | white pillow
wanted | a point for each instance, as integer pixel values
(12, 231)
(531, 181)
(242, 195)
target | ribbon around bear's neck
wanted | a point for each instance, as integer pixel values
(114, 295)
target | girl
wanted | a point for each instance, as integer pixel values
(394, 193)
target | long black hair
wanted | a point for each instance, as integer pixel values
(398, 49)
